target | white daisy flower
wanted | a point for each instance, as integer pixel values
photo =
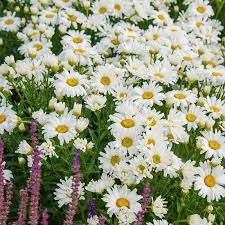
(210, 181)
(148, 94)
(8, 119)
(62, 126)
(159, 207)
(64, 190)
(119, 197)
(212, 144)
(70, 83)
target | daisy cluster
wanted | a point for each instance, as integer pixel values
(138, 87)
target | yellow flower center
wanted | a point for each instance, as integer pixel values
(117, 7)
(179, 96)
(187, 58)
(79, 50)
(62, 129)
(37, 46)
(156, 159)
(191, 117)
(33, 68)
(72, 82)
(210, 181)
(141, 168)
(105, 80)
(198, 24)
(210, 62)
(2, 118)
(216, 74)
(152, 121)
(214, 108)
(170, 136)
(9, 21)
(127, 123)
(161, 17)
(49, 15)
(147, 95)
(115, 160)
(213, 144)
(65, 1)
(72, 18)
(77, 40)
(102, 10)
(201, 9)
(127, 142)
(155, 37)
(115, 42)
(123, 94)
(159, 75)
(150, 142)
(122, 202)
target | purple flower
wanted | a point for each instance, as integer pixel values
(2, 200)
(91, 208)
(45, 217)
(6, 190)
(101, 220)
(33, 133)
(140, 215)
(75, 190)
(34, 182)
(22, 208)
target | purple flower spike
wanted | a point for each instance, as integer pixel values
(33, 133)
(6, 190)
(35, 183)
(22, 208)
(75, 158)
(2, 200)
(75, 191)
(45, 217)
(101, 220)
(91, 208)
(140, 215)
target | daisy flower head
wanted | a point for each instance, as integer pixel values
(126, 121)
(105, 78)
(64, 190)
(194, 115)
(214, 106)
(24, 148)
(95, 102)
(48, 16)
(148, 94)
(200, 8)
(175, 123)
(99, 186)
(119, 197)
(8, 119)
(70, 83)
(127, 141)
(10, 23)
(163, 72)
(159, 207)
(62, 126)
(141, 168)
(154, 138)
(181, 97)
(212, 144)
(111, 158)
(210, 181)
